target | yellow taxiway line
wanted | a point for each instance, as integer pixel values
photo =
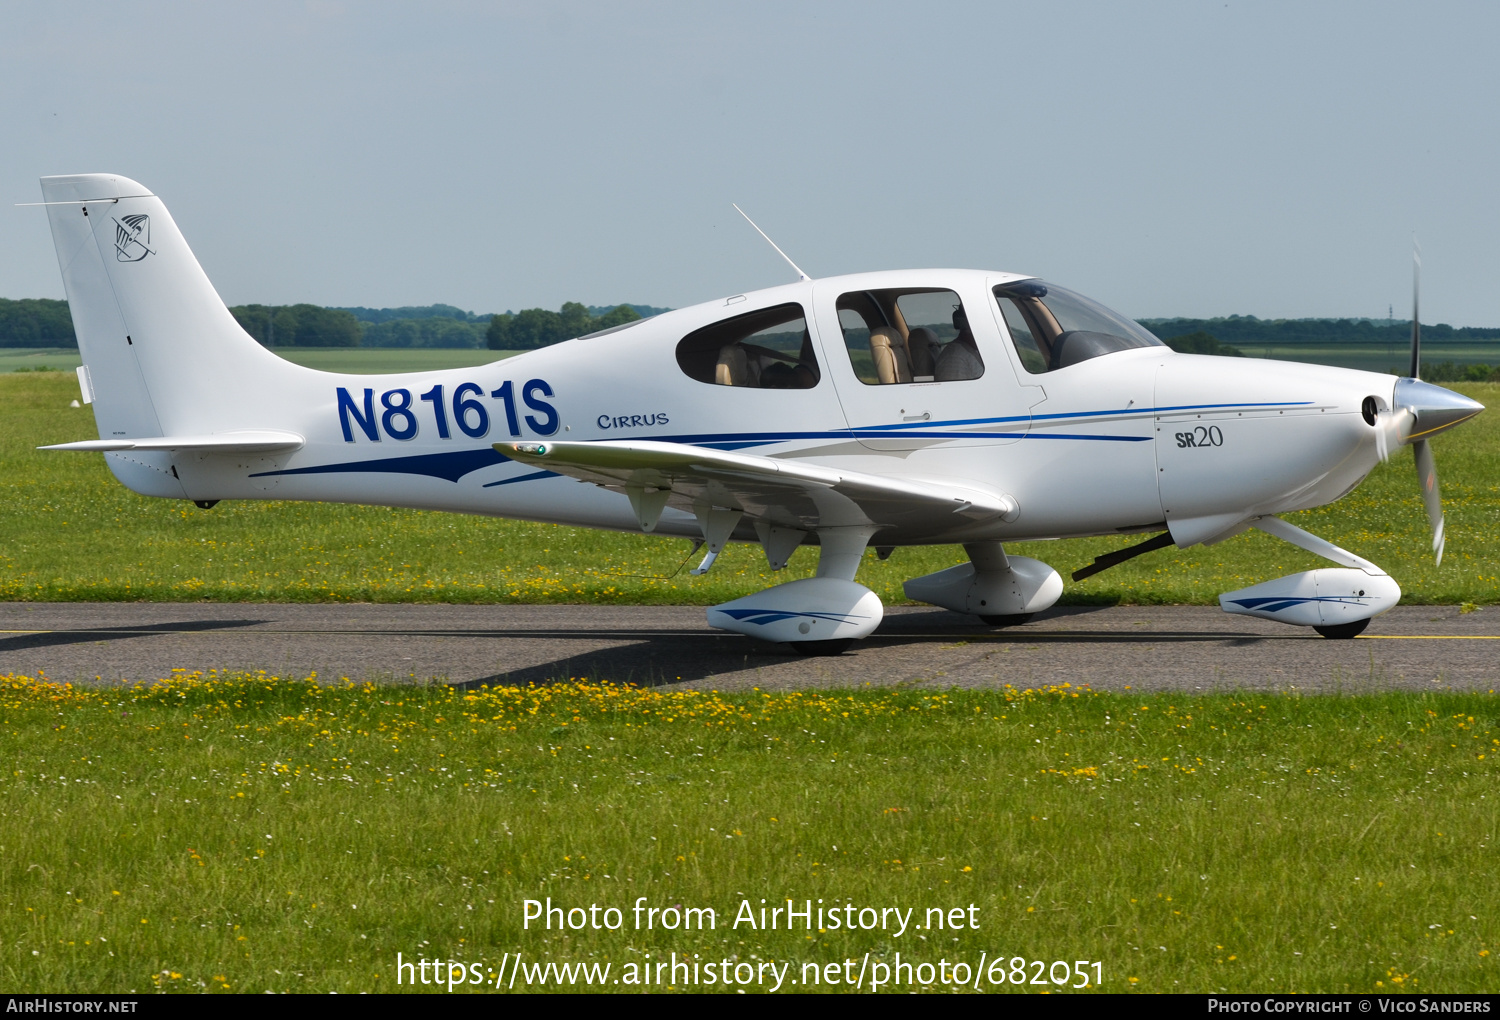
(1430, 637)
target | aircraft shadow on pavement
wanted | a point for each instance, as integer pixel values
(649, 660)
(55, 638)
(653, 662)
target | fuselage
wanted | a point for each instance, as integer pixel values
(1124, 441)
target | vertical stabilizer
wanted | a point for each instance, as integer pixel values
(164, 355)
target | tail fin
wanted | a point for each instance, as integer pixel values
(163, 354)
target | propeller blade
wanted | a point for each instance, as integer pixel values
(1391, 431)
(1432, 498)
(1416, 320)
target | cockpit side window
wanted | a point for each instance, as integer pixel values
(768, 349)
(1052, 328)
(907, 336)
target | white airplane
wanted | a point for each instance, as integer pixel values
(885, 409)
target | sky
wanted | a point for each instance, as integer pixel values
(1166, 158)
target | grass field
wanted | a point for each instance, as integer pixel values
(249, 833)
(70, 532)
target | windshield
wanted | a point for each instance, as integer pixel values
(1053, 327)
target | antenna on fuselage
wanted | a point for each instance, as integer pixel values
(800, 274)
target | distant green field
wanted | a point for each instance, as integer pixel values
(31, 359)
(1378, 358)
(69, 532)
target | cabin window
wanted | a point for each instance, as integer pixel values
(908, 336)
(769, 349)
(1052, 328)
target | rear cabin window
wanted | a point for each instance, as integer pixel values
(907, 336)
(769, 349)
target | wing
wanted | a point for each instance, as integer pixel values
(785, 493)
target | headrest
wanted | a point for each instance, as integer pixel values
(733, 367)
(960, 320)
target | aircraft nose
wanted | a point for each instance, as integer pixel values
(1433, 408)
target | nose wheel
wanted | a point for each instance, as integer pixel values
(1343, 631)
(1337, 602)
(1012, 620)
(837, 646)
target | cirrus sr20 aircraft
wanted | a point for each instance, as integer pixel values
(880, 409)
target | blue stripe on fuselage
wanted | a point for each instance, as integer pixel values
(453, 465)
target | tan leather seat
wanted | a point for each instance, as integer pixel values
(733, 368)
(888, 349)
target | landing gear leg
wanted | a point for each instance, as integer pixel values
(820, 615)
(839, 553)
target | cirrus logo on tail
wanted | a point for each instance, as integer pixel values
(132, 237)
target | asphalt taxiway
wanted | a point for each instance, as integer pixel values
(1143, 647)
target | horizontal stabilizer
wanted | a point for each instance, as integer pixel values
(243, 441)
(786, 492)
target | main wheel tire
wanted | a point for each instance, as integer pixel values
(1343, 631)
(1013, 620)
(838, 646)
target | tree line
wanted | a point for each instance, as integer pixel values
(1202, 342)
(427, 326)
(299, 325)
(420, 326)
(531, 328)
(36, 322)
(45, 322)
